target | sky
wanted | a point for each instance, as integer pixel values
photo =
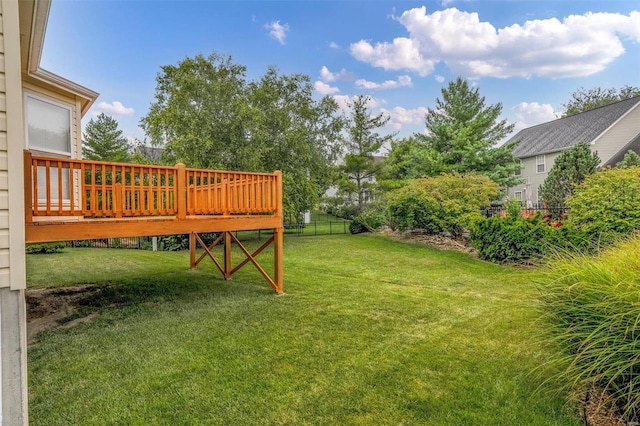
(527, 55)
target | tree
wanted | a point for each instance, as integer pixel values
(463, 132)
(569, 169)
(585, 99)
(207, 115)
(409, 159)
(631, 159)
(103, 141)
(296, 134)
(362, 142)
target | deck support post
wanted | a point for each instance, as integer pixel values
(192, 251)
(278, 254)
(227, 255)
(278, 238)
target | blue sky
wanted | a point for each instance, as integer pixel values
(528, 55)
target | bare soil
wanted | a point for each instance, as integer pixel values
(59, 307)
(439, 241)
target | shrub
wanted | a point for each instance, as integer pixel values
(371, 219)
(608, 201)
(591, 306)
(179, 242)
(515, 239)
(510, 240)
(44, 248)
(449, 202)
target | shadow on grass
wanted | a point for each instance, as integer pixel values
(71, 305)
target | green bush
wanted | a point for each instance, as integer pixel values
(371, 219)
(608, 201)
(510, 240)
(179, 242)
(446, 203)
(44, 248)
(591, 306)
(515, 239)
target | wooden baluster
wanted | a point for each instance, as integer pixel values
(181, 190)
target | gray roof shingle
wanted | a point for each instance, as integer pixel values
(563, 133)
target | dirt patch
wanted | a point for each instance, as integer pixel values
(59, 307)
(598, 409)
(439, 241)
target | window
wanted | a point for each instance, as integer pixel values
(518, 195)
(48, 126)
(518, 171)
(49, 132)
(540, 164)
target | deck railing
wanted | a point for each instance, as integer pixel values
(96, 189)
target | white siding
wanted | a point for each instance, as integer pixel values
(4, 169)
(617, 136)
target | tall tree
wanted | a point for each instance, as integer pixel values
(200, 113)
(296, 134)
(207, 115)
(569, 169)
(585, 99)
(463, 132)
(103, 141)
(362, 142)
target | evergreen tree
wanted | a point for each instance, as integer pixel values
(631, 159)
(104, 142)
(463, 132)
(360, 166)
(569, 169)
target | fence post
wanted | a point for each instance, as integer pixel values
(344, 227)
(330, 228)
(182, 191)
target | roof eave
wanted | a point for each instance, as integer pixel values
(35, 28)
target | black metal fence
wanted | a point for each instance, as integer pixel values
(546, 212)
(314, 228)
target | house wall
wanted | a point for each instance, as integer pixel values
(617, 136)
(13, 342)
(529, 174)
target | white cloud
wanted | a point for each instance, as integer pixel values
(278, 31)
(531, 113)
(439, 78)
(328, 76)
(401, 116)
(579, 45)
(402, 81)
(324, 88)
(114, 108)
(344, 101)
(534, 113)
(334, 45)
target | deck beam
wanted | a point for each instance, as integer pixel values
(89, 229)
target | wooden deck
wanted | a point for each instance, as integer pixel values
(68, 199)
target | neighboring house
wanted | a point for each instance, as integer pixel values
(39, 111)
(611, 131)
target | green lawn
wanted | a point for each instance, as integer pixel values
(370, 331)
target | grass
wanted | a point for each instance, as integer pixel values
(592, 307)
(370, 331)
